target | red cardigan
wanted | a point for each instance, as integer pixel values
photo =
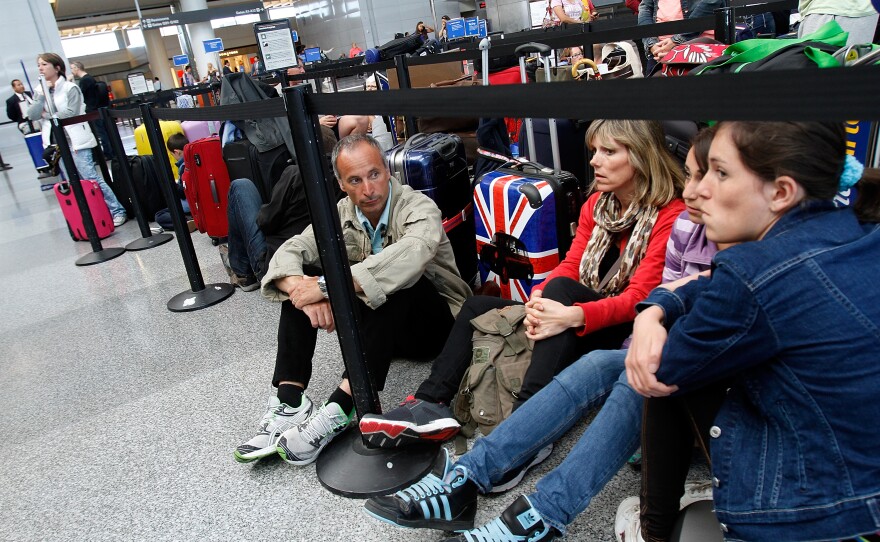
(647, 276)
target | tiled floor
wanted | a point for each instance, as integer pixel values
(120, 417)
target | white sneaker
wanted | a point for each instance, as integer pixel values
(696, 491)
(300, 445)
(278, 418)
(628, 522)
(119, 220)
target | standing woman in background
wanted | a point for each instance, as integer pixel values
(68, 102)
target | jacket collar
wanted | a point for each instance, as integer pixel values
(806, 210)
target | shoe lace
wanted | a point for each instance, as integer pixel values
(269, 417)
(410, 399)
(426, 487)
(497, 531)
(321, 424)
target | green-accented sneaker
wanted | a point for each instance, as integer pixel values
(300, 445)
(278, 418)
(444, 499)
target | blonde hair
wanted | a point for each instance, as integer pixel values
(659, 179)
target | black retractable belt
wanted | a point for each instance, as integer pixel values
(829, 94)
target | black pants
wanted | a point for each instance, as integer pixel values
(549, 357)
(413, 322)
(669, 427)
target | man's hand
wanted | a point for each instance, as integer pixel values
(305, 292)
(321, 316)
(547, 318)
(644, 354)
(287, 284)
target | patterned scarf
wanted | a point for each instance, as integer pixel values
(610, 221)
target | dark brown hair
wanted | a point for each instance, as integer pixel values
(55, 60)
(700, 144)
(812, 153)
(867, 205)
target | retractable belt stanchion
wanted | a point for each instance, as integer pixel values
(725, 23)
(403, 80)
(99, 254)
(347, 466)
(200, 296)
(148, 240)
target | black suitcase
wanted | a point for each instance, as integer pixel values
(572, 148)
(436, 165)
(244, 161)
(145, 181)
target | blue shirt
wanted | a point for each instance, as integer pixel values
(377, 233)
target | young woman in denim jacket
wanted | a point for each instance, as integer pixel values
(792, 324)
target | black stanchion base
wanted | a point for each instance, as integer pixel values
(349, 468)
(149, 242)
(100, 256)
(193, 301)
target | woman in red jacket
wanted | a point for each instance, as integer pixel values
(588, 302)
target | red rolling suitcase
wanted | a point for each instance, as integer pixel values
(206, 185)
(97, 206)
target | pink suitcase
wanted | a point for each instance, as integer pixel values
(97, 205)
(200, 129)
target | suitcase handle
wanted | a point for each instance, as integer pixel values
(528, 48)
(214, 193)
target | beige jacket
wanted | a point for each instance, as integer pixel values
(414, 245)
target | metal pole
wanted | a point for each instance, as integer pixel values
(200, 296)
(348, 466)
(317, 180)
(148, 239)
(403, 80)
(99, 253)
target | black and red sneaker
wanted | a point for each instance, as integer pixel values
(413, 421)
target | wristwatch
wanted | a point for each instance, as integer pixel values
(322, 285)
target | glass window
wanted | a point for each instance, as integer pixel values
(90, 45)
(135, 37)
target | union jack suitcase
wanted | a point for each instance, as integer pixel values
(526, 219)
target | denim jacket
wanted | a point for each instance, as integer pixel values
(796, 317)
(701, 8)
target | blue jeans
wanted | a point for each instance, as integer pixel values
(85, 165)
(612, 437)
(247, 244)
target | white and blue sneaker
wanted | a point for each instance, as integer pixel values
(300, 445)
(444, 499)
(520, 522)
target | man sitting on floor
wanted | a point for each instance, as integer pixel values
(408, 289)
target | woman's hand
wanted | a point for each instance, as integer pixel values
(644, 354)
(675, 284)
(547, 318)
(327, 120)
(662, 47)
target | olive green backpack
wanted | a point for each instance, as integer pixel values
(501, 355)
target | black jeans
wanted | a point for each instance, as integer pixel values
(549, 357)
(413, 322)
(669, 427)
